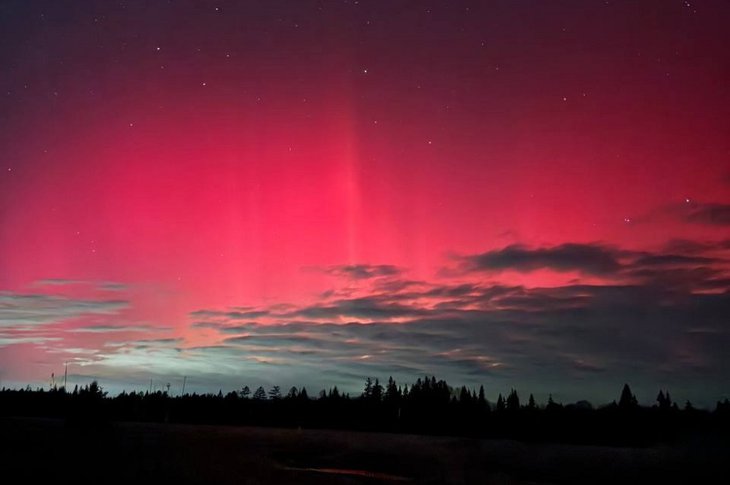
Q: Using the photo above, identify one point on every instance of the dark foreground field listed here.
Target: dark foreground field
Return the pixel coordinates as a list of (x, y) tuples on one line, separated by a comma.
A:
[(50, 450)]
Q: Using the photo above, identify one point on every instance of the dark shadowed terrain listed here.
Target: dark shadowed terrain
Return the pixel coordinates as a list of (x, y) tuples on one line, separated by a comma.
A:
[(52, 450)]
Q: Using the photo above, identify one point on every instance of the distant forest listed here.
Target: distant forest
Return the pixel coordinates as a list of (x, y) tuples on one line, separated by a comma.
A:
[(428, 406)]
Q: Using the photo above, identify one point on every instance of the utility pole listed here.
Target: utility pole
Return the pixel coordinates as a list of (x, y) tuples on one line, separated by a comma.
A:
[(185, 378), (65, 375)]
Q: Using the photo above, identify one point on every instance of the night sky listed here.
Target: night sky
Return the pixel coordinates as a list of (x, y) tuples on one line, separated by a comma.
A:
[(508, 193)]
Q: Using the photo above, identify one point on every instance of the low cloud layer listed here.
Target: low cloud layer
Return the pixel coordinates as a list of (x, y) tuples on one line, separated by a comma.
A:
[(28, 318), (592, 259), (363, 271), (39, 309), (656, 318)]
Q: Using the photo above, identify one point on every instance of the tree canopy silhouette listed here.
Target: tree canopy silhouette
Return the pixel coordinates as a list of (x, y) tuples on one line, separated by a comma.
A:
[(427, 406)]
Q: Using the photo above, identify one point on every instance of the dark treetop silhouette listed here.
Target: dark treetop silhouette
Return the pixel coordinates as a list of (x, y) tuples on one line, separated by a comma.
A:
[(428, 406)]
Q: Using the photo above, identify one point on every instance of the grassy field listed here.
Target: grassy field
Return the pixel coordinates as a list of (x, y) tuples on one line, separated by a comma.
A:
[(52, 451)]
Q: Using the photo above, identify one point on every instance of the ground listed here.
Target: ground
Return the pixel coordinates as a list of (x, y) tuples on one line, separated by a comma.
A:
[(51, 450)]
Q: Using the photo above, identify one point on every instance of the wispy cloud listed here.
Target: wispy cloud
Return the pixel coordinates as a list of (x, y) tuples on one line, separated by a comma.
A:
[(714, 214), (589, 258), (100, 285), (363, 271), (39, 309), (658, 316), (117, 328), (652, 317)]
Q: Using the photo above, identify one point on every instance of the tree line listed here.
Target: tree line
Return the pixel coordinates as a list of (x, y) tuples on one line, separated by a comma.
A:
[(427, 406)]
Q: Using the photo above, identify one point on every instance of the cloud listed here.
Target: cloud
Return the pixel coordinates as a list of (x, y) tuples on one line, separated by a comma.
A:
[(690, 211), (369, 308), (654, 316), (38, 309), (686, 264), (230, 315), (573, 331), (709, 213), (100, 285), (587, 258), (686, 246), (10, 339), (112, 286), (156, 342), (117, 328), (363, 271), (28, 318), (653, 260), (59, 282)]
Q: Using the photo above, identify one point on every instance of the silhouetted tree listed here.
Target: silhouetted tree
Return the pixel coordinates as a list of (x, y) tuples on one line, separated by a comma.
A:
[(663, 400), (377, 393), (428, 406), (245, 392), (275, 393), (551, 404), (368, 391), (392, 393), (464, 397), (500, 403), (513, 401), (95, 390), (260, 394), (482, 400), (627, 400)]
